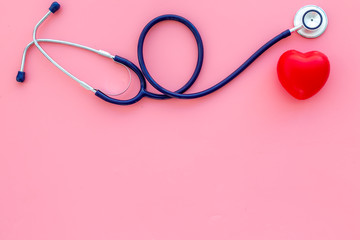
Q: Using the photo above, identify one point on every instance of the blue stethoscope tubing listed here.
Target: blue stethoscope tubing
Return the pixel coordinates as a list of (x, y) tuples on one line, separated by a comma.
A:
[(143, 73)]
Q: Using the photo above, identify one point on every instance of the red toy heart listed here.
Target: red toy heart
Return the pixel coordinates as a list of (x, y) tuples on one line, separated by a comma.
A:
[(303, 74)]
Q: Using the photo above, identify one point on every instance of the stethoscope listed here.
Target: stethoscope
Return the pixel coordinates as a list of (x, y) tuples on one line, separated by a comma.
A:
[(310, 22)]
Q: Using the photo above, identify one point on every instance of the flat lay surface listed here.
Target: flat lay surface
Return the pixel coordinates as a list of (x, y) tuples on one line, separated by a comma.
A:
[(246, 162)]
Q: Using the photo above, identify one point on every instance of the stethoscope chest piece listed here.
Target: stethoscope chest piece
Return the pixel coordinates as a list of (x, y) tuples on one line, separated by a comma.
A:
[(313, 19)]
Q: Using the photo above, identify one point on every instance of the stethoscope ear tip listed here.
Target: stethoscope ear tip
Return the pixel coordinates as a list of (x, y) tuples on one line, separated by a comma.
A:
[(20, 77), (54, 7)]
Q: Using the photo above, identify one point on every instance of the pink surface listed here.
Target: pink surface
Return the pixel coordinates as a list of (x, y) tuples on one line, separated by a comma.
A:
[(247, 162)]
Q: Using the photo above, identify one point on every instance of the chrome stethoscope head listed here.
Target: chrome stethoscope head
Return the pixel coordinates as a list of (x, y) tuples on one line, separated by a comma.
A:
[(310, 21)]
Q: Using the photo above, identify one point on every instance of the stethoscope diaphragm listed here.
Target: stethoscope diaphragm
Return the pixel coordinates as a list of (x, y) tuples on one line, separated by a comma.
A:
[(313, 19)]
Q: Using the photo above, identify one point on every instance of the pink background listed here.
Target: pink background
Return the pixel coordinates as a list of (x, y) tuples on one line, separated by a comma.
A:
[(247, 162)]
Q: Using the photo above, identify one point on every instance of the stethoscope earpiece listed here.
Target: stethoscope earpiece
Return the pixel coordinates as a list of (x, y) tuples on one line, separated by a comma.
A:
[(313, 21), (54, 7)]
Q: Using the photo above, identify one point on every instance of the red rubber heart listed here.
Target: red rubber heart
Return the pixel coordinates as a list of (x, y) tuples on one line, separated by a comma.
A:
[(303, 74)]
